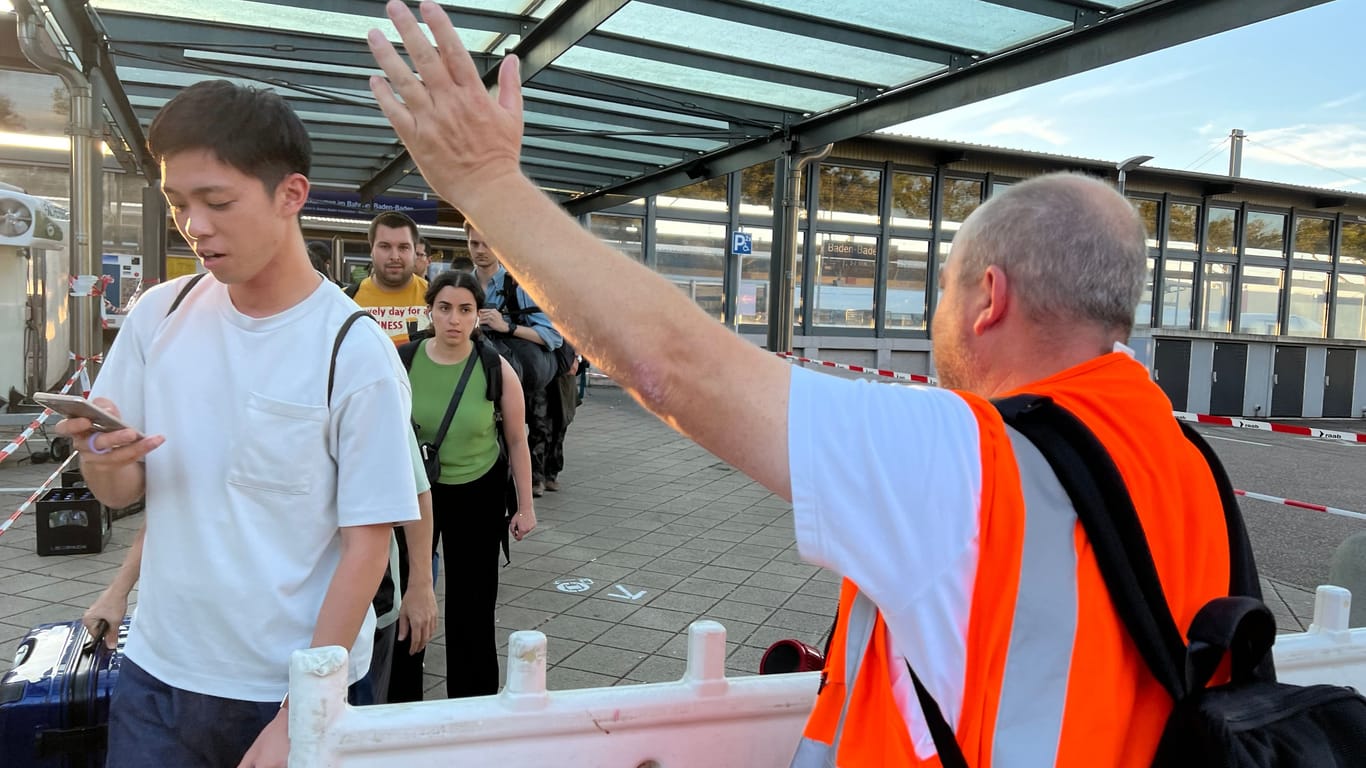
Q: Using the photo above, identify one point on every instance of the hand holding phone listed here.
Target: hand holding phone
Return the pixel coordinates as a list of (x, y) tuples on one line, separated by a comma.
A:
[(74, 407)]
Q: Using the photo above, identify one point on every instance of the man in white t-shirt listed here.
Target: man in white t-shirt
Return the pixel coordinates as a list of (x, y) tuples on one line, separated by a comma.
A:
[(274, 468)]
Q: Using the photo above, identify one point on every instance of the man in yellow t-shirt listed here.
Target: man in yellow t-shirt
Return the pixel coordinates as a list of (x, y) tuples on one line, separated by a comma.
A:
[(393, 294)]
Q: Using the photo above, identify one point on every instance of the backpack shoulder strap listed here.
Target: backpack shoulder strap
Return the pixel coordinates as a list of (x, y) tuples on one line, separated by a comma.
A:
[(512, 303), (1102, 503), (493, 374), (185, 291), (336, 347), (351, 290), (406, 352)]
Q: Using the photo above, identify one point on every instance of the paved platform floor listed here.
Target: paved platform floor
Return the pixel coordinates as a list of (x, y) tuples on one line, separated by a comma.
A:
[(649, 533)]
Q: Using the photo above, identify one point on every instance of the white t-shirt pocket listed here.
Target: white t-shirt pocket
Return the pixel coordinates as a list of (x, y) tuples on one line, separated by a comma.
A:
[(274, 445)]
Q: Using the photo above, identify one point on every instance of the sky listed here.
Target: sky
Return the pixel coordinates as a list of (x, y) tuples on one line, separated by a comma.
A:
[(1296, 84)]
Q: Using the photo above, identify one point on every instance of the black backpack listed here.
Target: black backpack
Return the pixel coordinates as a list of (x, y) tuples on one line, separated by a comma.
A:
[(566, 357), (1250, 722)]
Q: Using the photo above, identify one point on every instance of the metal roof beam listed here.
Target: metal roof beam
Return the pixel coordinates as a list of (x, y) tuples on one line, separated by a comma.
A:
[(819, 28), (74, 21), (464, 17), (605, 162), (752, 116), (730, 65), (564, 27), (1120, 37), (300, 78), (617, 116), (1075, 11), (586, 179), (660, 155)]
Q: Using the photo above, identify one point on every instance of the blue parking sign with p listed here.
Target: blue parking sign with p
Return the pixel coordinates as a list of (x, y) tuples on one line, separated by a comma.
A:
[(742, 244)]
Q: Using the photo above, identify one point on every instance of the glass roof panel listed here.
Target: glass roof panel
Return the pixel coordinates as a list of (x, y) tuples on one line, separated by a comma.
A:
[(648, 71), (283, 18), (970, 24), (783, 49), (570, 126)]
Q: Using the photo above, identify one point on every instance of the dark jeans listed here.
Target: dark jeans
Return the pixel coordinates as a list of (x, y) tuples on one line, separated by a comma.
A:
[(374, 687), (468, 523), (405, 676), (561, 404), (151, 723)]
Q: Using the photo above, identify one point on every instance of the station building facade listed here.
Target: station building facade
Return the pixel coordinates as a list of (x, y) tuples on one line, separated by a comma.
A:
[(1255, 303)]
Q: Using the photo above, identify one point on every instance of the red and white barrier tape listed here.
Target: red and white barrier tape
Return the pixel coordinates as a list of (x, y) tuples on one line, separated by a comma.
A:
[(1301, 504), (38, 422), (1266, 426), (917, 378), (41, 489), (1201, 418)]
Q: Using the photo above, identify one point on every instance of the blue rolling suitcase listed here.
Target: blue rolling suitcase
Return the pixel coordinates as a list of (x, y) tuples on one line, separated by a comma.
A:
[(54, 702)]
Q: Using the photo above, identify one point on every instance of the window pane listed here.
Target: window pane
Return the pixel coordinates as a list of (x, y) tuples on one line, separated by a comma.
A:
[(1183, 222), (692, 256), (1353, 243), (1219, 235), (945, 250), (1314, 239), (752, 304), (961, 197), (1350, 320), (756, 190), (1178, 290), (1308, 304), (907, 265), (1143, 315), (848, 195), (1265, 234), (845, 273), (911, 197), (1259, 300), (1147, 213), (1216, 295), (709, 195), (623, 233), (997, 187)]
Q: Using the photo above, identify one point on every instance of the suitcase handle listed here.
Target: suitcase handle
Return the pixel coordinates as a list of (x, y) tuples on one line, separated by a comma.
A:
[(91, 645)]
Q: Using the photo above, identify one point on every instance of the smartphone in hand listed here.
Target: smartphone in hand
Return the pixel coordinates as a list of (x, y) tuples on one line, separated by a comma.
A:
[(74, 407)]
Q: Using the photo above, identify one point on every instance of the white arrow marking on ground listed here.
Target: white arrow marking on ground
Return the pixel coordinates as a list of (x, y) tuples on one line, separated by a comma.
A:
[(626, 594)]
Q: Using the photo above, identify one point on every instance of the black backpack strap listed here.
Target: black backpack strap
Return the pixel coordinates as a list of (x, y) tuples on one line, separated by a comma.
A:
[(1242, 565), (351, 290), (336, 347), (493, 375), (185, 291), (406, 352), (455, 403), (945, 743), (1102, 503)]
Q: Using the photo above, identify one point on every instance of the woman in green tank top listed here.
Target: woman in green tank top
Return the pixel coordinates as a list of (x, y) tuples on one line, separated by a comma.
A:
[(469, 496)]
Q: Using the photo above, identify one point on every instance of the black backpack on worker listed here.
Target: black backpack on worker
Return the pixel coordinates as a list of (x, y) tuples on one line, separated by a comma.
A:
[(566, 357), (1250, 722)]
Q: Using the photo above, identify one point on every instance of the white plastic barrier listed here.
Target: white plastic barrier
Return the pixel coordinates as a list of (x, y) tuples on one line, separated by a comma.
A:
[(705, 719), (1329, 652)]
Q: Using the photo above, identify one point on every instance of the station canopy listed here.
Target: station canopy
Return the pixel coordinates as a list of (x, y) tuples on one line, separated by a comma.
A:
[(624, 98)]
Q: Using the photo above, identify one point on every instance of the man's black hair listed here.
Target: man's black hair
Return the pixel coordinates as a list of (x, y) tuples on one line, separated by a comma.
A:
[(250, 129)]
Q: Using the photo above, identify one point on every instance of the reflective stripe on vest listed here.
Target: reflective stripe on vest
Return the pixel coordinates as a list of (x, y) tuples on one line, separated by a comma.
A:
[(1034, 683)]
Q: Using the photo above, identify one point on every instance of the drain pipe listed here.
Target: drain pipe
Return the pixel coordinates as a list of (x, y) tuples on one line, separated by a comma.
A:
[(86, 334), (786, 186)]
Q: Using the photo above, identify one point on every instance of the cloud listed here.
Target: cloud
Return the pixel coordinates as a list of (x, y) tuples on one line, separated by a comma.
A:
[(1123, 87), (1027, 125), (1341, 146), (1342, 102)]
